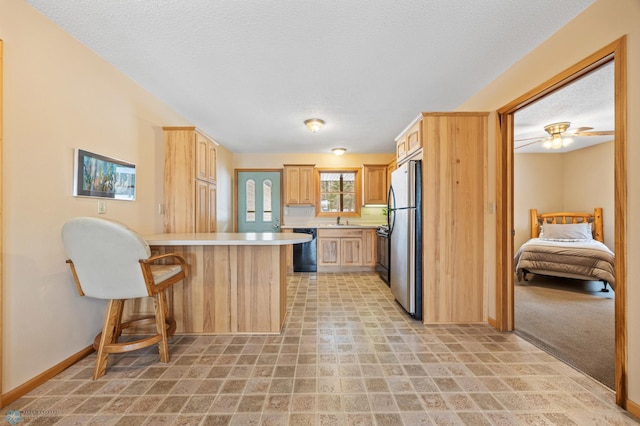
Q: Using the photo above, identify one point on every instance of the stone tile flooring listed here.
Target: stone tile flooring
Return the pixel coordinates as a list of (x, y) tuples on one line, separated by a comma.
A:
[(348, 355)]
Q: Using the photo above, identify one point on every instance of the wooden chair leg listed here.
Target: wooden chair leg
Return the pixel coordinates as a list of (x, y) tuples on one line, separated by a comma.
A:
[(109, 330), (161, 326)]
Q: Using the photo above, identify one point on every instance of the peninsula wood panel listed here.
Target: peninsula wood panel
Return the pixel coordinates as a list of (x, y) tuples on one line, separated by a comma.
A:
[(454, 200), (230, 289)]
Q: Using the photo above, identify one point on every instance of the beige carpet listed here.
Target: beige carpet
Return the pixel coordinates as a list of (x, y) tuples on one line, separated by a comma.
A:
[(570, 319)]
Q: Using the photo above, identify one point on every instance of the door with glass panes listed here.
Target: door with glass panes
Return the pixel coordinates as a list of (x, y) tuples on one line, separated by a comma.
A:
[(258, 201)]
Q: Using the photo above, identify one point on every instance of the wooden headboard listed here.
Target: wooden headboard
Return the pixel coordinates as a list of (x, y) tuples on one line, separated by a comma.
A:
[(568, 217)]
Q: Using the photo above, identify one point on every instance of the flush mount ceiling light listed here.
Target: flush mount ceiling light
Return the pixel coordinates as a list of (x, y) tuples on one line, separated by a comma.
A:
[(339, 151), (556, 130), (314, 124)]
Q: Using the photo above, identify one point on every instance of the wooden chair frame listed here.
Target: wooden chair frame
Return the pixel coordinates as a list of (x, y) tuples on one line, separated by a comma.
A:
[(106, 342)]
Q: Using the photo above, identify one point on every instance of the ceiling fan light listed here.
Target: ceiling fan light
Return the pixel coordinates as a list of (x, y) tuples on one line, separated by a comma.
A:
[(567, 141), (556, 142), (547, 144)]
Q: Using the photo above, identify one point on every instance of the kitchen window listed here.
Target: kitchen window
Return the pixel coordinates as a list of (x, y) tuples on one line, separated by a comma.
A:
[(338, 192)]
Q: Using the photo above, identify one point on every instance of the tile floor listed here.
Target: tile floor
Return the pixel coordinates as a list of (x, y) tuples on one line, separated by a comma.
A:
[(348, 356)]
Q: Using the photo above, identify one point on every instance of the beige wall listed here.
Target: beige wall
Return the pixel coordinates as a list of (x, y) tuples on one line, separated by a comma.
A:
[(265, 161), (602, 23), (224, 190), (588, 183), (58, 95), (537, 183)]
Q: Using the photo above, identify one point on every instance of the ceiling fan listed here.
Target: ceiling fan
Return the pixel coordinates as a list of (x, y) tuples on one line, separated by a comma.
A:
[(559, 135)]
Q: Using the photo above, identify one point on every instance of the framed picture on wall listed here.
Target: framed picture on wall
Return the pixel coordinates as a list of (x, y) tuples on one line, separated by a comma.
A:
[(96, 175)]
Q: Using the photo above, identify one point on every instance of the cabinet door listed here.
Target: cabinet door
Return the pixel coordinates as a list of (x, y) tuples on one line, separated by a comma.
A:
[(369, 251), (202, 206), (202, 152), (401, 148), (211, 162), (306, 185), (414, 137), (375, 184), (351, 251), (329, 251), (292, 185), (212, 205)]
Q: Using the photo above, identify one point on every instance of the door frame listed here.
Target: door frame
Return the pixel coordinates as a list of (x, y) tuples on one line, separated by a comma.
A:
[(235, 194), (504, 321)]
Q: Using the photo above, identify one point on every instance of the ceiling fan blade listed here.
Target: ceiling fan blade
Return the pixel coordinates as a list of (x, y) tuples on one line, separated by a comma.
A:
[(527, 144), (579, 129), (595, 133), (530, 139)]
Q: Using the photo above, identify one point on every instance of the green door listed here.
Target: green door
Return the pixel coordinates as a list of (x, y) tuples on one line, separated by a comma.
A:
[(258, 202)]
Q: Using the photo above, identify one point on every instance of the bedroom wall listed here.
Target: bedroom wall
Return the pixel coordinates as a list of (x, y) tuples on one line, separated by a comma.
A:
[(602, 23), (588, 183), (538, 182), (59, 95)]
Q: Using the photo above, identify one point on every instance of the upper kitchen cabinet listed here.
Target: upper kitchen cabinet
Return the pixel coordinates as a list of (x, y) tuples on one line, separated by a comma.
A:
[(375, 184), (205, 158), (189, 181), (299, 187), (409, 142)]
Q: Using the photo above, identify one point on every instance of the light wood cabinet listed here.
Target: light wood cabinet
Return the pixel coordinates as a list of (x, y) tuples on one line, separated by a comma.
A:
[(189, 181), (409, 143), (299, 184), (329, 251), (346, 249), (454, 185), (375, 184)]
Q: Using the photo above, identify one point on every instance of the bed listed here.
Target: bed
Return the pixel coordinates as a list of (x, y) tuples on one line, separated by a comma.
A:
[(568, 245)]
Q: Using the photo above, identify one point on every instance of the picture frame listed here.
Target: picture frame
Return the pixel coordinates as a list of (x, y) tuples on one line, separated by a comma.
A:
[(96, 175)]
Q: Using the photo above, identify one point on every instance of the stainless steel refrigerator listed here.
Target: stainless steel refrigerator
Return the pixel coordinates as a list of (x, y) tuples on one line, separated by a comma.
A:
[(405, 227)]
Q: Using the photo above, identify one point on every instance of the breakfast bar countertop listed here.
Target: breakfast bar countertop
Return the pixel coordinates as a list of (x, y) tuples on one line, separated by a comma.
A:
[(226, 239)]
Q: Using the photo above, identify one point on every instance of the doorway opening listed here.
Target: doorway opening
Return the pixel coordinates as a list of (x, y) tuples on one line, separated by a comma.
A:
[(616, 52)]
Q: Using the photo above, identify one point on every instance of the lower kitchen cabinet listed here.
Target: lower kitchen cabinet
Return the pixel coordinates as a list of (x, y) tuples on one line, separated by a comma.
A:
[(346, 250)]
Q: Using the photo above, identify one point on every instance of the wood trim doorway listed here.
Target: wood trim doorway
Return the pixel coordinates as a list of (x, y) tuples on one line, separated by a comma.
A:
[(616, 52)]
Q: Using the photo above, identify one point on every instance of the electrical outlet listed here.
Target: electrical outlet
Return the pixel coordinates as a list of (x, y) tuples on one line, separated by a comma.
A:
[(160, 208), (102, 207), (492, 207)]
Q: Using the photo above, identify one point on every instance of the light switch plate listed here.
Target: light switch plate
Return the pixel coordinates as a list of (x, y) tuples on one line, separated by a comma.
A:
[(102, 207)]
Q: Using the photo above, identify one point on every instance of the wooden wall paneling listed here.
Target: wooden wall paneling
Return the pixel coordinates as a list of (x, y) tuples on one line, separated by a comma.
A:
[(454, 151)]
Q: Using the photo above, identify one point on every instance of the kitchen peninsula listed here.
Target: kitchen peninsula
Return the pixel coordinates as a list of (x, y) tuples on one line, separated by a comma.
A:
[(236, 284)]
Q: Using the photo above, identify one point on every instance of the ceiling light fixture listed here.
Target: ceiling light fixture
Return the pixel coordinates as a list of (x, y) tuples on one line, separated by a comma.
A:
[(555, 130), (339, 151), (314, 124)]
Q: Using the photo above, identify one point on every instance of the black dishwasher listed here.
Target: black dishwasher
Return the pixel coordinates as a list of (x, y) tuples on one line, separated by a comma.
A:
[(305, 254)]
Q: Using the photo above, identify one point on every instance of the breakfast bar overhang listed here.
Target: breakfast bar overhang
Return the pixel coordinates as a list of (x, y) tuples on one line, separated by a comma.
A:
[(237, 281)]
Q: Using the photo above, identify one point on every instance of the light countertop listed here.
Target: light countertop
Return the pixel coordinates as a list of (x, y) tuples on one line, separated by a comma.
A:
[(226, 239), (333, 226)]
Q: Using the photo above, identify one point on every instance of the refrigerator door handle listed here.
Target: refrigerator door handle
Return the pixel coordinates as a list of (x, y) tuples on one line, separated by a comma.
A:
[(391, 210)]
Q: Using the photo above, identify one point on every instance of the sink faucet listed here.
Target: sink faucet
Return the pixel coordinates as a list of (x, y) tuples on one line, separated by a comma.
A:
[(338, 221)]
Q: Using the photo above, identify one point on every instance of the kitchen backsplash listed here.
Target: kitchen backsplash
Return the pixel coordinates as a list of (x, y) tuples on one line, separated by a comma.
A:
[(304, 215)]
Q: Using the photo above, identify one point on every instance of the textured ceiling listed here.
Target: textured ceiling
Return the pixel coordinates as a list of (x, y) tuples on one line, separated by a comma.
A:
[(248, 73), (587, 102)]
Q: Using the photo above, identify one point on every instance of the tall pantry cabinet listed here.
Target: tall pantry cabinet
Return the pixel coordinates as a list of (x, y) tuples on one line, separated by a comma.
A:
[(454, 181), (189, 181)]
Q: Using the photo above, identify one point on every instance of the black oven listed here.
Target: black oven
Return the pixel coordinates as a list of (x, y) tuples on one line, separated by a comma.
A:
[(383, 252)]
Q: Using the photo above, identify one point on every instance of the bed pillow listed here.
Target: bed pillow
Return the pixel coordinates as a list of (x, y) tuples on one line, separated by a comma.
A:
[(566, 232)]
